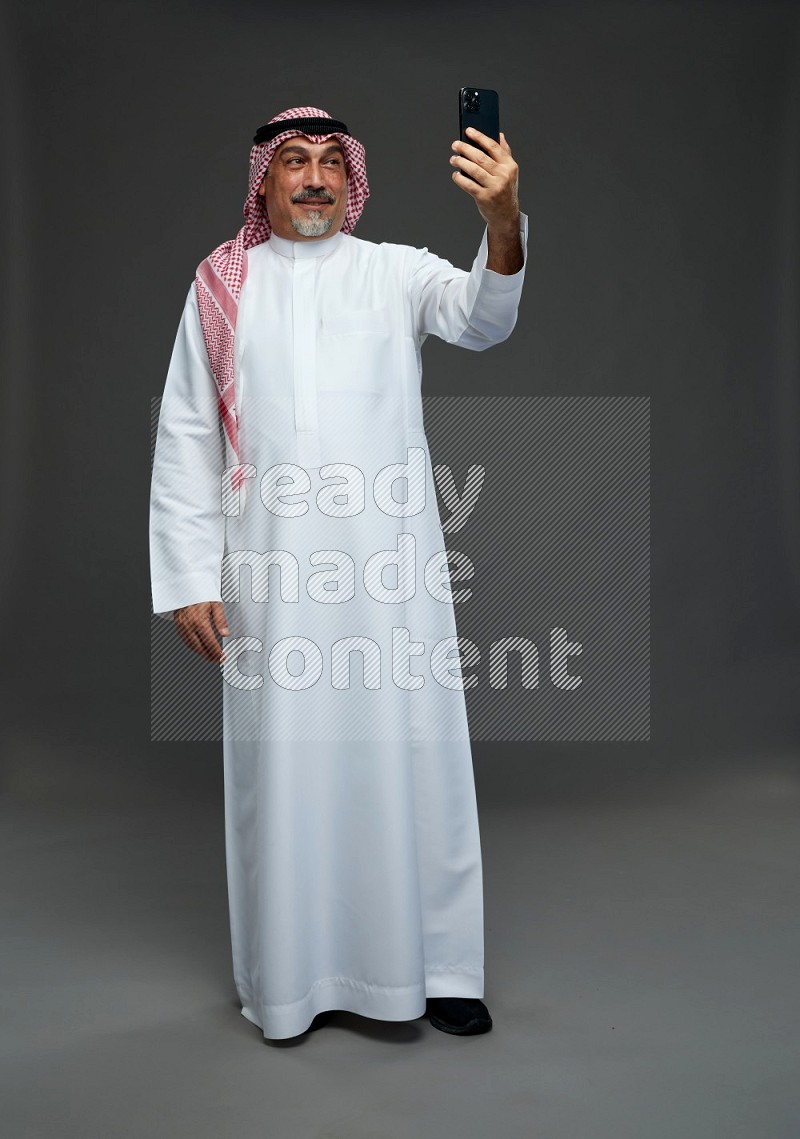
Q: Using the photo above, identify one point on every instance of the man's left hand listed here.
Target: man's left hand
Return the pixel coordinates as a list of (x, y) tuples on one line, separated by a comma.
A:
[(494, 178)]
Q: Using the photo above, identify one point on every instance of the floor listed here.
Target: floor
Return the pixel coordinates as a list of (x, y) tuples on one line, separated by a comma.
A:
[(642, 947)]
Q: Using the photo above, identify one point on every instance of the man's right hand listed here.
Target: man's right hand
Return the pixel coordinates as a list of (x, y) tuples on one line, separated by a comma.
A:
[(198, 626)]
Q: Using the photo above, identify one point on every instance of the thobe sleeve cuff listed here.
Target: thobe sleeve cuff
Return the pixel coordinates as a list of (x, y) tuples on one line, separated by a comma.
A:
[(474, 309), (503, 282), (171, 593), (493, 298)]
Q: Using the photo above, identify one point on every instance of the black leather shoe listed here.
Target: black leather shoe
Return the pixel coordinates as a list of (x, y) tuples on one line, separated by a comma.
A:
[(319, 1020), (461, 1016)]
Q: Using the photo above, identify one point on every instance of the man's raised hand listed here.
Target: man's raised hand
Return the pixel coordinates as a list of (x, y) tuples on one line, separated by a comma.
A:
[(493, 178), (199, 625)]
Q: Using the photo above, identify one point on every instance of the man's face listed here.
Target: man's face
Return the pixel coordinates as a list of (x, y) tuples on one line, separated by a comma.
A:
[(305, 189)]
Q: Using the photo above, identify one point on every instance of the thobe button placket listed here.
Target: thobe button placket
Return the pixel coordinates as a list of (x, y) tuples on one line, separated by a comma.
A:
[(304, 280), (306, 257)]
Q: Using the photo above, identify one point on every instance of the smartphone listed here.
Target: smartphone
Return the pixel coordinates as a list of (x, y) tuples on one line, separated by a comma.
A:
[(479, 108)]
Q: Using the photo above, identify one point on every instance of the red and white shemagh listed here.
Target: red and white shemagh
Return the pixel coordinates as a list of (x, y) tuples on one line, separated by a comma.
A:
[(220, 277)]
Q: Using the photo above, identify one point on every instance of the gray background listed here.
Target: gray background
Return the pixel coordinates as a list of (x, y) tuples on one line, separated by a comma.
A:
[(641, 932)]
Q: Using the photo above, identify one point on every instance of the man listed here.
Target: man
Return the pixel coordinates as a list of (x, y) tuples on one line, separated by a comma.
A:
[(352, 842)]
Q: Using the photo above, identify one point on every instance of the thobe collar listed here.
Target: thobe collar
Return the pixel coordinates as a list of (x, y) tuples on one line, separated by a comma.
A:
[(297, 249)]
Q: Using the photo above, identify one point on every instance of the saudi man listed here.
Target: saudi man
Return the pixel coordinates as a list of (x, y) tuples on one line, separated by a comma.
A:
[(295, 541)]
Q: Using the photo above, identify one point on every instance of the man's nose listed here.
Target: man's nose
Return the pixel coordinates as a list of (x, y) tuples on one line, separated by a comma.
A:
[(315, 177)]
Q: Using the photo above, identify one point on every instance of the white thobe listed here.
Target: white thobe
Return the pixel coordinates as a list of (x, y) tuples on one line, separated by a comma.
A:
[(352, 840)]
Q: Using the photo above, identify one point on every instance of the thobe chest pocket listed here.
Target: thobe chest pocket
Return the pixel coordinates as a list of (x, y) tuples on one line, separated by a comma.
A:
[(354, 350)]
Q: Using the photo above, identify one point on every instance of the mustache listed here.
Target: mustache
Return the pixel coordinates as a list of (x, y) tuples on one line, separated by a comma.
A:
[(314, 195)]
